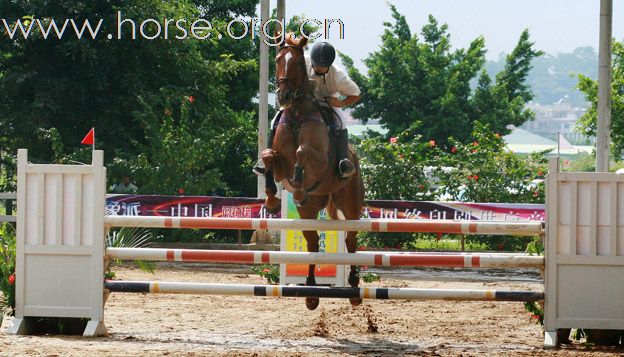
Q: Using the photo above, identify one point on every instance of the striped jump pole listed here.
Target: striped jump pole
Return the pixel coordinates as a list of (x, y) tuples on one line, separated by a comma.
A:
[(319, 291), (372, 225), (379, 259)]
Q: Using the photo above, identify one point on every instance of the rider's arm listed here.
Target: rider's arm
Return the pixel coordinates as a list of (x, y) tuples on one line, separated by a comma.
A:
[(349, 100), (347, 88)]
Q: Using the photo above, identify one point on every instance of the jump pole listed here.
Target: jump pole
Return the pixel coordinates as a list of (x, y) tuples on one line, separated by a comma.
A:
[(372, 225), (380, 259), (158, 287)]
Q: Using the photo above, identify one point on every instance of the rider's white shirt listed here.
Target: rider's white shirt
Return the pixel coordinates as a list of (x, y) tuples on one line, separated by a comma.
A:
[(335, 82)]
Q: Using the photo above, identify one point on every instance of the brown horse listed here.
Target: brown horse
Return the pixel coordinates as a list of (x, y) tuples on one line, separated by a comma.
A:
[(304, 160)]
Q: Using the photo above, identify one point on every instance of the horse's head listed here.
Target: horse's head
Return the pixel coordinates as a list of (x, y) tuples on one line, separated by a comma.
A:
[(292, 79)]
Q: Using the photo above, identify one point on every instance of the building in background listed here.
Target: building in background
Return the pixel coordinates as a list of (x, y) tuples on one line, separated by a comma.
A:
[(560, 117), (523, 142)]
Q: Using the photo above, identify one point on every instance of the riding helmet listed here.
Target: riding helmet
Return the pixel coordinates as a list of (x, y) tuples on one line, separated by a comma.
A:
[(322, 54)]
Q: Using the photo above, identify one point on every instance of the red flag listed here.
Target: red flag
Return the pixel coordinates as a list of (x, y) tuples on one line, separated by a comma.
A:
[(89, 139)]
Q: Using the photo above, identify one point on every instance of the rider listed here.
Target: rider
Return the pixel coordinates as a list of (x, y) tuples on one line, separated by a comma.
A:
[(328, 82)]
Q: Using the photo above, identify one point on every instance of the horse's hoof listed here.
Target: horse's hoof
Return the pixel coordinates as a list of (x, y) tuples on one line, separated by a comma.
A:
[(312, 303), (355, 301), (273, 206)]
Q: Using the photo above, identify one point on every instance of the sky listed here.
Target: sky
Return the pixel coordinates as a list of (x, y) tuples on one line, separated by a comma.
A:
[(555, 26)]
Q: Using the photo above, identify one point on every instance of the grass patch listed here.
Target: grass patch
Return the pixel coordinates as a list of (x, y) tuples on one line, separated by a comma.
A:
[(446, 245)]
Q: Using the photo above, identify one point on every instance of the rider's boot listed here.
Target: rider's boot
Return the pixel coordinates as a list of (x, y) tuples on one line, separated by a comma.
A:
[(346, 167), (259, 168)]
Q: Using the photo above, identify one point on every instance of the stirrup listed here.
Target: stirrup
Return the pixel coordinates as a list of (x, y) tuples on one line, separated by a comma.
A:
[(259, 168), (346, 167)]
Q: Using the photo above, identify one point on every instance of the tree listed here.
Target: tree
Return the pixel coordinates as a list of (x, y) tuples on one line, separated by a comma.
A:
[(423, 85), (589, 86), (175, 112), (408, 168), (510, 94)]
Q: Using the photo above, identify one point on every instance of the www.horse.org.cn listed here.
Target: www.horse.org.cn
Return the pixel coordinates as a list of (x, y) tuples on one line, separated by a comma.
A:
[(178, 29)]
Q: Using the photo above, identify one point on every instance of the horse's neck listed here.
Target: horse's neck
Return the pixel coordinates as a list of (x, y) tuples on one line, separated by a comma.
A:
[(307, 103)]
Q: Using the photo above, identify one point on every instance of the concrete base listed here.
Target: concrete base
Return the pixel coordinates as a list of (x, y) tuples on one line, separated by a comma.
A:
[(17, 327), (550, 339), (95, 328)]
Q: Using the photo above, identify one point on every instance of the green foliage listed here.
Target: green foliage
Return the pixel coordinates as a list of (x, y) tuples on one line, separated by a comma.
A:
[(421, 84), (370, 277), (535, 247), (583, 163), (270, 272), (486, 171), (504, 102), (536, 310), (447, 242), (9, 168), (384, 240), (483, 170), (365, 276), (132, 237), (7, 269), (175, 114), (589, 87), (129, 237), (396, 169)]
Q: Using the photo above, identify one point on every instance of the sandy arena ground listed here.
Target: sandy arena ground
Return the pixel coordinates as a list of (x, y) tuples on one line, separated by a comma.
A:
[(175, 325)]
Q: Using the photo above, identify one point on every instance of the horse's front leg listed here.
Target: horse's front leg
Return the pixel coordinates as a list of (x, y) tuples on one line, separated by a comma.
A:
[(354, 277), (272, 204)]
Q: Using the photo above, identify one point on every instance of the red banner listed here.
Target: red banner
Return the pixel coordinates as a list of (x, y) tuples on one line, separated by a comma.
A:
[(244, 207)]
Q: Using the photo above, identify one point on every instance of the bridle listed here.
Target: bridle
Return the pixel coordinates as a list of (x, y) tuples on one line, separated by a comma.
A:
[(297, 93)]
